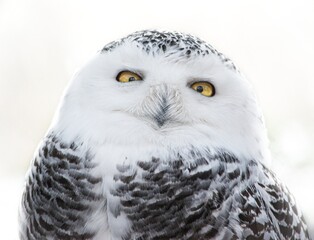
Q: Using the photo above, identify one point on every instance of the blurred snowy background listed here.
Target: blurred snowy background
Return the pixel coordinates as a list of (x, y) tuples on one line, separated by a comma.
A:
[(42, 43)]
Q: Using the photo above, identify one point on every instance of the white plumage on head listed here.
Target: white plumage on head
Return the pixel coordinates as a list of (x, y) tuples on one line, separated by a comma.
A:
[(107, 110)]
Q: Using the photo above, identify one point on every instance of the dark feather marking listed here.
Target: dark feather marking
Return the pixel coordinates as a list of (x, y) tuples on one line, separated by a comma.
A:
[(169, 43), (59, 193), (174, 200)]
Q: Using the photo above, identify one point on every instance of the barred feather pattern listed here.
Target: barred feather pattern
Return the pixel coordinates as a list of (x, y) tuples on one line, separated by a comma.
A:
[(60, 193), (215, 197)]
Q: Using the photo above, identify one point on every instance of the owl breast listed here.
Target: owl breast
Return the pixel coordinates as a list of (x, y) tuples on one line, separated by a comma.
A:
[(175, 200), (215, 196)]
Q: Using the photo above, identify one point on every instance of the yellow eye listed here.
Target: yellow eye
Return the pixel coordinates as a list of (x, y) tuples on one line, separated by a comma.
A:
[(127, 76), (204, 88)]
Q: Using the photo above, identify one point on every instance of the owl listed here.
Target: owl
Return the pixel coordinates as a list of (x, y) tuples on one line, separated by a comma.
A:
[(158, 136)]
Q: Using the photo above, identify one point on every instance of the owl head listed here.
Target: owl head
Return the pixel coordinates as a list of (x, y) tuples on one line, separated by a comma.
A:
[(163, 89)]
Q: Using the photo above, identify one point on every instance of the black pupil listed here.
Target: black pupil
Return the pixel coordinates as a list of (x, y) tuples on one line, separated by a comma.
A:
[(131, 79), (199, 89)]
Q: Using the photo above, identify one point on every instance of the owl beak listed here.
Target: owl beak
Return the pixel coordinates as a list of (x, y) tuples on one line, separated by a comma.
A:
[(163, 105), (161, 116)]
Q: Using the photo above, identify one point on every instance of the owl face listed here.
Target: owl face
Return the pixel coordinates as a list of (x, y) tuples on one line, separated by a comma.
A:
[(166, 89)]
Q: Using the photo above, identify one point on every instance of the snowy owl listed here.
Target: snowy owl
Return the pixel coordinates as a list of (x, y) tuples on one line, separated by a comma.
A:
[(158, 136)]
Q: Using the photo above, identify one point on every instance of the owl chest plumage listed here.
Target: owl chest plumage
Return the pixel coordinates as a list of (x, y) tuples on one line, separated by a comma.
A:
[(213, 197), (172, 200)]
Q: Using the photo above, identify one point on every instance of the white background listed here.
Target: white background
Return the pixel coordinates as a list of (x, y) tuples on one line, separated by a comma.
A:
[(42, 43)]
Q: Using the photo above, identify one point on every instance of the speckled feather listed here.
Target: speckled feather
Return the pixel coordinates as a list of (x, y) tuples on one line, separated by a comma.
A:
[(170, 43), (214, 198), (60, 193)]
